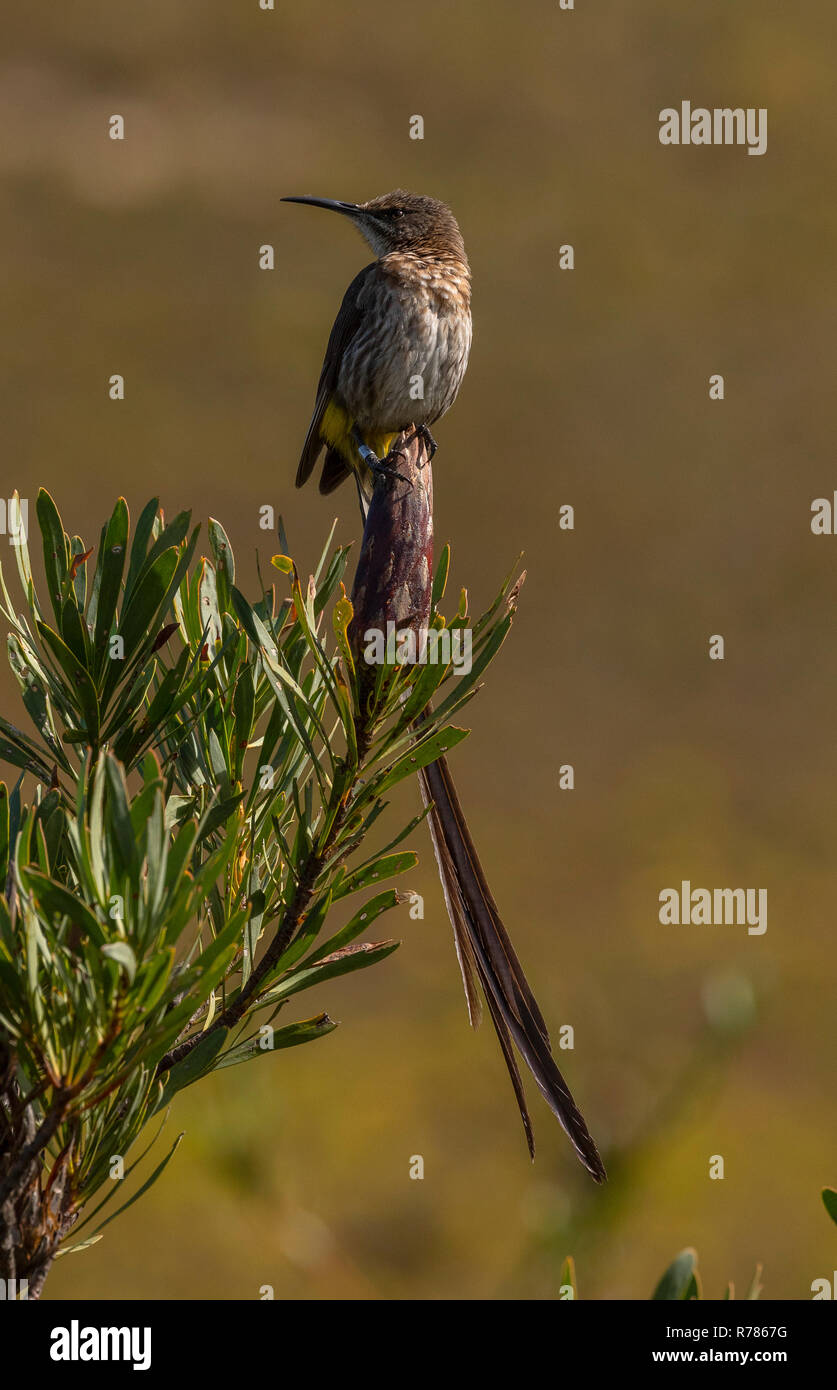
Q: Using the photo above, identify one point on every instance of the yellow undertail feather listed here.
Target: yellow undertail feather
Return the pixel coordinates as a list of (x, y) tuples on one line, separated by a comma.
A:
[(336, 432)]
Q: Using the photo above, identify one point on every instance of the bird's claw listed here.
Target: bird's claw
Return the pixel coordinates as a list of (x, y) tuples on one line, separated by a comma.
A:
[(385, 467), (381, 468), (423, 433)]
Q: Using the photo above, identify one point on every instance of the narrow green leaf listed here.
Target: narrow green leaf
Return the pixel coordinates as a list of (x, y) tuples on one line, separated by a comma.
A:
[(195, 1064), (121, 952), (79, 555), (18, 750), (137, 621), (462, 685), (291, 1036), (244, 711), (24, 564), (112, 560), (75, 633), (420, 755), (119, 812), (343, 962), (80, 1245), (209, 613), (361, 922), (149, 1182), (139, 545), (56, 901), (341, 618), (676, 1281), (170, 537), (440, 579), (219, 815), (370, 874), (79, 680), (33, 687), (568, 1279), (55, 550), (222, 553)]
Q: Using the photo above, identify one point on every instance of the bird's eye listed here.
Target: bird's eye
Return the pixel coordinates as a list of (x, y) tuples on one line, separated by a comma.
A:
[(396, 212)]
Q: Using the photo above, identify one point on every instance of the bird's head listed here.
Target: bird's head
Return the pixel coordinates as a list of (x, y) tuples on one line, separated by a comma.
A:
[(401, 221)]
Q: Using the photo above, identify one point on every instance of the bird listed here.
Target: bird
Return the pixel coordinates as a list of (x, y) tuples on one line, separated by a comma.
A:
[(399, 347), (395, 361)]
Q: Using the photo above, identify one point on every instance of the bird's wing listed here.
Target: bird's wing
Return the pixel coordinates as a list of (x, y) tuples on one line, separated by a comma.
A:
[(346, 325), (335, 469)]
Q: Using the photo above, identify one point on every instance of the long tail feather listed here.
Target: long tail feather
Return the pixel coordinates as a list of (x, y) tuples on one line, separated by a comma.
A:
[(486, 954)]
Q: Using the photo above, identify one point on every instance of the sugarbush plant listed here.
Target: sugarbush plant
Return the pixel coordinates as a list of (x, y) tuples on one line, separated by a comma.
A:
[(202, 775)]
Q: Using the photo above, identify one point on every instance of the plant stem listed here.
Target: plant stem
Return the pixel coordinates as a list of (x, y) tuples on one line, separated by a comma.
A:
[(292, 918)]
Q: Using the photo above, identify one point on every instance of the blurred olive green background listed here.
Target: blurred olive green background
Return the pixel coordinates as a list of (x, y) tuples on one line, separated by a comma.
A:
[(587, 387)]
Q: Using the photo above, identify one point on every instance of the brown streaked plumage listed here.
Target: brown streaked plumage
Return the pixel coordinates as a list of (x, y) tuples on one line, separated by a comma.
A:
[(399, 346)]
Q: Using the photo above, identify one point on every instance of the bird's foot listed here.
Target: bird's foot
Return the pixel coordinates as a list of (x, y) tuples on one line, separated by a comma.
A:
[(381, 468), (385, 467), (423, 433)]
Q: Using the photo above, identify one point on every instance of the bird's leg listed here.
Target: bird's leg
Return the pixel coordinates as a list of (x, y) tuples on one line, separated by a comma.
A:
[(423, 433), (381, 468)]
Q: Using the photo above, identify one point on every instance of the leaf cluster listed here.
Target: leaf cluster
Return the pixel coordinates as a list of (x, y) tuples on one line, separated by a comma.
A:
[(206, 772)]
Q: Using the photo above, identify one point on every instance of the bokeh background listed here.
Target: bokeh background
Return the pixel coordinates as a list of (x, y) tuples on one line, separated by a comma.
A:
[(587, 387)]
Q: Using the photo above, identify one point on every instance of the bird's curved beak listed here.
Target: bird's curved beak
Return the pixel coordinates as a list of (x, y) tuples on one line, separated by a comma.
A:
[(350, 209), (360, 217)]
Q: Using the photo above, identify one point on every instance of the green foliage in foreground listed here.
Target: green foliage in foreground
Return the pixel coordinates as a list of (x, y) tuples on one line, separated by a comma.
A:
[(681, 1282), (206, 771)]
